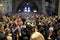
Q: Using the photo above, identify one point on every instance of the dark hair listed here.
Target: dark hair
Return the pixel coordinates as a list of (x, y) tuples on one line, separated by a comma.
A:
[(14, 24), (58, 20)]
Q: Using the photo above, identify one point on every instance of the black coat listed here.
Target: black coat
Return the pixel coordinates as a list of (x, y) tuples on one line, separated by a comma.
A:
[(2, 36), (53, 36), (25, 36), (58, 37)]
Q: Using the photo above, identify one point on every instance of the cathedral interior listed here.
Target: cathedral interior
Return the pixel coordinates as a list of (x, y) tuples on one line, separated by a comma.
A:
[(29, 19), (49, 7)]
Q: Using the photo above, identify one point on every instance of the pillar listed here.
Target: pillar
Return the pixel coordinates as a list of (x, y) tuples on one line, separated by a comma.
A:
[(43, 7), (59, 10), (1, 6), (7, 6)]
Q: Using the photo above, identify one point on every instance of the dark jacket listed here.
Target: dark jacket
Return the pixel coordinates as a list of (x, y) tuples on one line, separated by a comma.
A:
[(2, 36), (58, 37)]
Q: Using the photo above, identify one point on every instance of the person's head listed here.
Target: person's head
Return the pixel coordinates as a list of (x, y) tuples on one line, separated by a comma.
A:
[(37, 36), (58, 32), (33, 29), (7, 30), (33, 26), (14, 25), (1, 27)]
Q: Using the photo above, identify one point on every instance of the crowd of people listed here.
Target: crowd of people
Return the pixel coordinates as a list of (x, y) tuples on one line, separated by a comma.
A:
[(21, 27)]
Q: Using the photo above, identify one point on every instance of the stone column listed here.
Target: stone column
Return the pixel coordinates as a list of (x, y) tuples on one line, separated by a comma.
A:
[(13, 5), (43, 7), (50, 7), (1, 6), (7, 6), (59, 10), (38, 3)]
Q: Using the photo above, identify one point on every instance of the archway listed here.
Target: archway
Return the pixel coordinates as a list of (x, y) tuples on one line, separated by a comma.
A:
[(27, 6)]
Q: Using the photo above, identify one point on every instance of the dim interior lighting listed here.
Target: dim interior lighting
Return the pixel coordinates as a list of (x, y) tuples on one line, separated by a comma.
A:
[(27, 3), (35, 11)]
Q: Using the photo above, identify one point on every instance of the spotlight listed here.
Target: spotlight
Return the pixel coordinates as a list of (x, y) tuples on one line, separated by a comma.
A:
[(19, 10), (25, 11), (25, 7), (34, 10), (28, 10)]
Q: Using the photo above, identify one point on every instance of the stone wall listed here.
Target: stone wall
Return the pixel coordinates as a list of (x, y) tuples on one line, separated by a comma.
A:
[(7, 6), (59, 10)]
